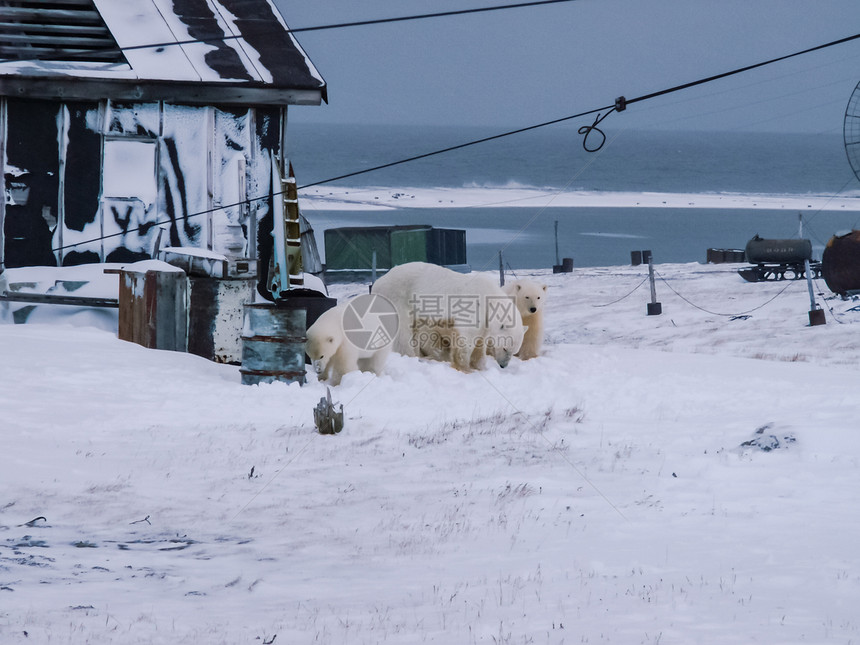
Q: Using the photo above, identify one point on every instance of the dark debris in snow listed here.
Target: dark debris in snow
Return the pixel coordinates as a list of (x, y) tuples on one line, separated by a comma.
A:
[(766, 441)]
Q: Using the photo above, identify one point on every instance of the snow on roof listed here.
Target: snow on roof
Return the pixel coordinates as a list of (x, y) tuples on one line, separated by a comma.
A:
[(237, 43)]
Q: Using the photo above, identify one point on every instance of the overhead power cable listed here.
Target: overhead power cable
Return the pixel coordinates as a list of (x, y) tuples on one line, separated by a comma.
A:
[(742, 69), (343, 25), (619, 106), (452, 148), (440, 14)]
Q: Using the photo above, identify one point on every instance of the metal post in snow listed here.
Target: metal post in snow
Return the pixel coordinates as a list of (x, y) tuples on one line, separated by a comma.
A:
[(557, 261), (654, 307), (816, 313), (501, 271)]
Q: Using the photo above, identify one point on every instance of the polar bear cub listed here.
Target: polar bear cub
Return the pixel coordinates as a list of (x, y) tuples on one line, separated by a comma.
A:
[(332, 354), (530, 297)]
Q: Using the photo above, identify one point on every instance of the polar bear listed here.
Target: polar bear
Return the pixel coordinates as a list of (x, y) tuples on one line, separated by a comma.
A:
[(333, 354), (530, 297), (450, 316)]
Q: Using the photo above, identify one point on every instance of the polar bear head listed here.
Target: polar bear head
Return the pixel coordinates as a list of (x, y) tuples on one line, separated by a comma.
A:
[(505, 338), (320, 350), (530, 296), (325, 337)]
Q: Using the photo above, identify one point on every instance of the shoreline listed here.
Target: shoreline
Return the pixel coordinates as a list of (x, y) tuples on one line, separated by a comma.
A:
[(377, 198)]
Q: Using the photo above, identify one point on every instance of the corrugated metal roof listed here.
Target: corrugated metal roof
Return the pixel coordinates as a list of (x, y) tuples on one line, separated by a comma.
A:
[(149, 49)]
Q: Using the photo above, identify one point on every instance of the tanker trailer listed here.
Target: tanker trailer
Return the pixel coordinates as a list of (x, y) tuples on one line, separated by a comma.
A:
[(778, 259)]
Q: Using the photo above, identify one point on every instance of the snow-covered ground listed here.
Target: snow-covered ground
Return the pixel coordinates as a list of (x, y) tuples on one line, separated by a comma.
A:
[(682, 478), (381, 198)]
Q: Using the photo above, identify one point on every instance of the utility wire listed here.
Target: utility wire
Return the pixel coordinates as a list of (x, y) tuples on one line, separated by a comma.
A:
[(440, 14), (360, 23), (457, 147), (554, 447), (620, 105), (625, 296), (716, 313), (740, 70)]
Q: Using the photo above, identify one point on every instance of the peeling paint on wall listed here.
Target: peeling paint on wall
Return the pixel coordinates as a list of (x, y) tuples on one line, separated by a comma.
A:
[(31, 192), (128, 169)]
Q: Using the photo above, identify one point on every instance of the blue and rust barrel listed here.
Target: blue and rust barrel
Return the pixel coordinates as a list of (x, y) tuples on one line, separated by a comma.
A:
[(273, 344)]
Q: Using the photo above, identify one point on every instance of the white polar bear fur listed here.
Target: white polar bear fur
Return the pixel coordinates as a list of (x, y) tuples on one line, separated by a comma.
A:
[(530, 297), (438, 335), (333, 355)]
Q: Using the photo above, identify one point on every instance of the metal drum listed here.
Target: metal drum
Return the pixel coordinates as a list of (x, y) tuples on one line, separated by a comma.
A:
[(314, 303), (216, 316), (840, 263), (273, 344)]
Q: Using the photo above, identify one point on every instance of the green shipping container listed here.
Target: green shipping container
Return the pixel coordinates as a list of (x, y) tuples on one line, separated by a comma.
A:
[(351, 248)]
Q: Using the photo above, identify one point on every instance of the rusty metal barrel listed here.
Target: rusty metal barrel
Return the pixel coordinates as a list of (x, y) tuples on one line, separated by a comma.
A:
[(840, 263), (273, 344)]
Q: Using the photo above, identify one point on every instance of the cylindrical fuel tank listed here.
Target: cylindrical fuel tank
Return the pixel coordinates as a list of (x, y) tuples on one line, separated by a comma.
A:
[(840, 263), (763, 251)]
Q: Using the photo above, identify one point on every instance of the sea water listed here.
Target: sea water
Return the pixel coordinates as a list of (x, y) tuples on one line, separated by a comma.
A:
[(553, 159)]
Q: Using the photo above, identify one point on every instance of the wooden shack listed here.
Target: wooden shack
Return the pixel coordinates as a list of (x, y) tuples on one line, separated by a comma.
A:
[(121, 119)]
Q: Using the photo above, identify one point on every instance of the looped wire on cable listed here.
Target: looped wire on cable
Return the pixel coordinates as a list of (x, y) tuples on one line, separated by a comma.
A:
[(620, 106), (588, 129)]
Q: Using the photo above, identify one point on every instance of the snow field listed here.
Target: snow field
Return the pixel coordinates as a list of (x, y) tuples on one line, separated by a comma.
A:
[(597, 494)]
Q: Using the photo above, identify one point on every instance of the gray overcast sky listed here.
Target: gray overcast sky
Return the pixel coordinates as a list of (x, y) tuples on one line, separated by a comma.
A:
[(518, 67)]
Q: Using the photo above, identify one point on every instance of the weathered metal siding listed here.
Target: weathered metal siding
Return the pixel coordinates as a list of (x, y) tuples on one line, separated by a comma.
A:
[(31, 181), (446, 246), (351, 248), (101, 177), (81, 185), (3, 197), (409, 245), (152, 310)]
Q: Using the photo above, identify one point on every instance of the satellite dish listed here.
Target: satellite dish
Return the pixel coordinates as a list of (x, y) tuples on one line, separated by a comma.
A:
[(851, 130)]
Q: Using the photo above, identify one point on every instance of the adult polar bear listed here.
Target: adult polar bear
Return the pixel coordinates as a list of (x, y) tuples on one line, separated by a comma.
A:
[(450, 316)]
